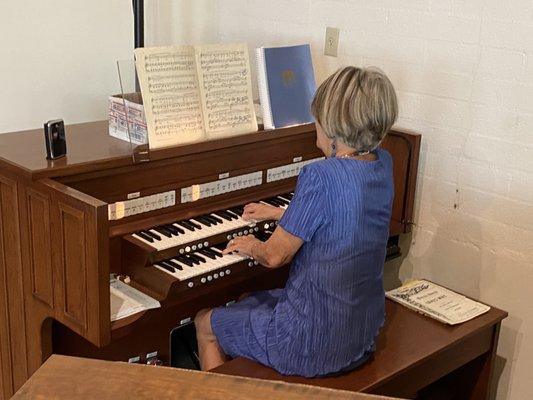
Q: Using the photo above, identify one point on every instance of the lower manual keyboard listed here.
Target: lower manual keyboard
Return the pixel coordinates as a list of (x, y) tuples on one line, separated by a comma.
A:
[(180, 273), (201, 262)]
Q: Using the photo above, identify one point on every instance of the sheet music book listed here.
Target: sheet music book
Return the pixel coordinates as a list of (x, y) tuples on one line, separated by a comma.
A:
[(126, 300), (195, 93), (286, 83), (437, 302)]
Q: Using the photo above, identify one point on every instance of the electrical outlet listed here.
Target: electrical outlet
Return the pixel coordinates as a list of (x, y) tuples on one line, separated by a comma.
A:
[(331, 44)]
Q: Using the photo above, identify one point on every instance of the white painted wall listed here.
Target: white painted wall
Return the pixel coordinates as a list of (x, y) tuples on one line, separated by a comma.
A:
[(464, 74), (180, 22), (57, 57)]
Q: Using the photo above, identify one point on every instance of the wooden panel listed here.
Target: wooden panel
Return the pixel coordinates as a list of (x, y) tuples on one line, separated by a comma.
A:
[(5, 338), (74, 266), (3, 392), (23, 151), (80, 254), (404, 149), (67, 378), (38, 209), (196, 168), (12, 312), (417, 376)]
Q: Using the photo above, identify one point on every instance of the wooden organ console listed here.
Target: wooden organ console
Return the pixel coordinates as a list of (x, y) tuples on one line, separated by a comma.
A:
[(66, 225)]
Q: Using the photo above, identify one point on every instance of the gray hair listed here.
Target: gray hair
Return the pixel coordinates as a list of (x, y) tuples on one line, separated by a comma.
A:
[(356, 105)]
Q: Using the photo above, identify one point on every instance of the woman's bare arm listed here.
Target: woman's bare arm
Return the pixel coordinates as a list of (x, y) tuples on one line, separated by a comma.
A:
[(277, 251)]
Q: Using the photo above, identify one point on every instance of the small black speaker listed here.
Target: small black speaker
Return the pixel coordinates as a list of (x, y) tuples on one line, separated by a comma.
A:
[(54, 137)]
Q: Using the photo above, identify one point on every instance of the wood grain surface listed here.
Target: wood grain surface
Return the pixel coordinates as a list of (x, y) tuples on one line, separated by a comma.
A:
[(69, 378)]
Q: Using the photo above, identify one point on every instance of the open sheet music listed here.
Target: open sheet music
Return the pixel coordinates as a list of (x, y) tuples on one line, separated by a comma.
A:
[(195, 93), (437, 302)]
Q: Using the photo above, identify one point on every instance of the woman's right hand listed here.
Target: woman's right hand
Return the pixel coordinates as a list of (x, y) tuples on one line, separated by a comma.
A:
[(261, 212)]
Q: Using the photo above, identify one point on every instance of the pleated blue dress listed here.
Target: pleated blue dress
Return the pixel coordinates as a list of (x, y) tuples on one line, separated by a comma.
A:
[(328, 315)]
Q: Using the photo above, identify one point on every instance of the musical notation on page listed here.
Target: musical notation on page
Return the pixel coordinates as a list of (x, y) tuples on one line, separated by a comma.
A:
[(171, 98), (226, 89), (194, 93)]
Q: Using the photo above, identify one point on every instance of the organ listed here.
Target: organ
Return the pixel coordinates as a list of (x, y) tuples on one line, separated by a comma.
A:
[(66, 225)]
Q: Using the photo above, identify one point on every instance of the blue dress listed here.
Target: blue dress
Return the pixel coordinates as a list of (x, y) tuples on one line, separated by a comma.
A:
[(328, 315)]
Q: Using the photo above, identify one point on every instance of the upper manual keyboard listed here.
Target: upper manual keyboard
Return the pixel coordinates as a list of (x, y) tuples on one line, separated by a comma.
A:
[(197, 232)]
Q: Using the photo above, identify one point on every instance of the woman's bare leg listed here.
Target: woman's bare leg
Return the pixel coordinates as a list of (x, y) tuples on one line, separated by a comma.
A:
[(211, 355)]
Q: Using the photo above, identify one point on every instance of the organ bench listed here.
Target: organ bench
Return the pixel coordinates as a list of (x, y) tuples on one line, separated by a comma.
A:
[(67, 224), (416, 357)]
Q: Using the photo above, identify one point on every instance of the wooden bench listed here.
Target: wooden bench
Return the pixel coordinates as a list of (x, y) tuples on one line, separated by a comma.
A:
[(66, 378), (415, 357)]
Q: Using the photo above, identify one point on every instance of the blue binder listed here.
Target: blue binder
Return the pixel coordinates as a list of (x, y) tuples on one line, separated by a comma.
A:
[(286, 82)]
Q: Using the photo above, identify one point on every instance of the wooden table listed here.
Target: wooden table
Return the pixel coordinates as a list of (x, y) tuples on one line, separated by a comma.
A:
[(69, 378), (415, 356)]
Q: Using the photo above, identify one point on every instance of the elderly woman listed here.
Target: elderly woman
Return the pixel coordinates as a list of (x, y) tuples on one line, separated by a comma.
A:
[(334, 232)]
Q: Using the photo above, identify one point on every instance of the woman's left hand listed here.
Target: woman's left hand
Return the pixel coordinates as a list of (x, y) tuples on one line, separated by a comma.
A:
[(242, 245)]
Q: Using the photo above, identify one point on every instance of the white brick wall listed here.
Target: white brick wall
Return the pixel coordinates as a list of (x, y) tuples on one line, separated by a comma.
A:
[(463, 70)]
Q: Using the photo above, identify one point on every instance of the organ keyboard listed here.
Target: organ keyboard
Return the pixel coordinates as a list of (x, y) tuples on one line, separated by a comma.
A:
[(162, 223), (198, 231)]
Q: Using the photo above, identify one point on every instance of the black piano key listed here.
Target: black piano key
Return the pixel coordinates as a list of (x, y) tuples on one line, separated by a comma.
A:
[(237, 211), (184, 260), (169, 268), (285, 202), (172, 230), (233, 214), (277, 201), (192, 259), (152, 234), (207, 254), (218, 248), (202, 221), (179, 230), (194, 224), (174, 264), (224, 215), (187, 226), (209, 220), (213, 253), (198, 257), (215, 218), (163, 231), (168, 264), (145, 236)]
